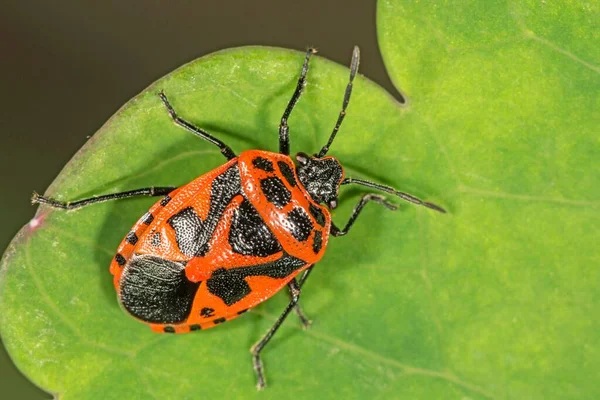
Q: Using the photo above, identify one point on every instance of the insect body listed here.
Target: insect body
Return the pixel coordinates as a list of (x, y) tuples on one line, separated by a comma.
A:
[(220, 244), (230, 239)]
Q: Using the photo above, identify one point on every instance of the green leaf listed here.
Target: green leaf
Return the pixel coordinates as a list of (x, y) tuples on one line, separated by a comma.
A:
[(60, 319), (495, 300), (507, 95)]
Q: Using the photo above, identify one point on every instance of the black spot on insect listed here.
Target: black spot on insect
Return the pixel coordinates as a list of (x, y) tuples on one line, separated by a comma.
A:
[(242, 311), (317, 214), (131, 238), (317, 242), (188, 230), (299, 224), (157, 290), (155, 239), (219, 321), (165, 200), (275, 191), (120, 259), (195, 327), (231, 286), (147, 218), (263, 163), (207, 312), (249, 235), (287, 172), (192, 234), (169, 329)]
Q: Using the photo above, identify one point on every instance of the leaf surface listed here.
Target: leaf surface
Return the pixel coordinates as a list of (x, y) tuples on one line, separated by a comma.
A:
[(507, 94), (494, 300), (61, 321)]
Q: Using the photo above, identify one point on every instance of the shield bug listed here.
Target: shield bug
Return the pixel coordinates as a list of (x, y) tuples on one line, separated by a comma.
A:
[(218, 246)]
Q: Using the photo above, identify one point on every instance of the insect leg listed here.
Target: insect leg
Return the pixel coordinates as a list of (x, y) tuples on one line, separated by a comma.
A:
[(305, 275), (71, 205), (284, 136), (258, 347), (297, 308), (225, 150), (335, 231)]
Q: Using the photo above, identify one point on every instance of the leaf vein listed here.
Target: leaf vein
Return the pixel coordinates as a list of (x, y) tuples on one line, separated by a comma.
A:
[(405, 368), (57, 311), (528, 33), (526, 197)]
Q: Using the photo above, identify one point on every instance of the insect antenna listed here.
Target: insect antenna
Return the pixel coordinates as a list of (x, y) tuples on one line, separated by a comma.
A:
[(353, 71), (391, 190)]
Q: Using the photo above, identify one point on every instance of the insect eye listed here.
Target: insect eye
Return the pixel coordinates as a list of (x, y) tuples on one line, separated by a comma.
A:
[(302, 158)]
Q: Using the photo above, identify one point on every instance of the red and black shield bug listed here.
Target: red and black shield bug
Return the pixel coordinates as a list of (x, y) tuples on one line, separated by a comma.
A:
[(212, 249)]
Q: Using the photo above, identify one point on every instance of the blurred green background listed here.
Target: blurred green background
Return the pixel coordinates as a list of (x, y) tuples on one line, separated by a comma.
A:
[(67, 66)]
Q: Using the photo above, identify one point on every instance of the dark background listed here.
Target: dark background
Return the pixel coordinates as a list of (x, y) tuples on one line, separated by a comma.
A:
[(67, 66)]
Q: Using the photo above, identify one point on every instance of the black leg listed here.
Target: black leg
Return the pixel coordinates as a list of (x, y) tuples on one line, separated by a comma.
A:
[(353, 71), (335, 231), (305, 275), (284, 136), (306, 322), (258, 347), (225, 150), (71, 205)]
